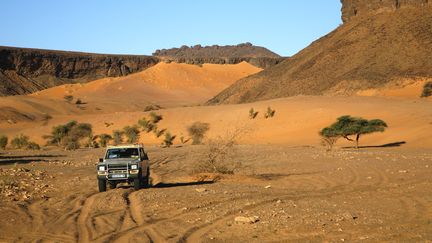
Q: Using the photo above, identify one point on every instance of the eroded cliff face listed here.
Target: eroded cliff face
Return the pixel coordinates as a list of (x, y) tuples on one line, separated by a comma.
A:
[(352, 8), (25, 71)]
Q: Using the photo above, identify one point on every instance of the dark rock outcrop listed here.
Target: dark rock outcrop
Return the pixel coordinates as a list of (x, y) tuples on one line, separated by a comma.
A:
[(352, 8), (24, 71), (255, 55)]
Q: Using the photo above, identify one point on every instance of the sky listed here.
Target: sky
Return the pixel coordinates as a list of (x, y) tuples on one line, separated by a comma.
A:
[(142, 26)]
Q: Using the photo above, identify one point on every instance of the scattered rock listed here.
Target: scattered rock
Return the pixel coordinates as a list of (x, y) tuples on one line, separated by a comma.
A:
[(403, 171), (247, 220), (267, 187), (201, 190)]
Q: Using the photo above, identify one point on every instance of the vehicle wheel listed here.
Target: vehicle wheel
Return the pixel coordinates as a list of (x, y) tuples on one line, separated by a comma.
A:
[(112, 184), (146, 180), (137, 182), (102, 185)]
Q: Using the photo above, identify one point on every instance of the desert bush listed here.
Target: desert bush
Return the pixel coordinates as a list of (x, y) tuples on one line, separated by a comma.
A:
[(158, 133), (3, 142), (347, 126), (329, 138), (155, 118), (104, 139), (219, 156), (33, 146), (147, 125), (132, 133), (79, 102), (152, 108), (197, 132), (169, 140), (70, 135), (252, 113), (427, 90), (68, 98), (20, 142), (269, 113), (117, 137)]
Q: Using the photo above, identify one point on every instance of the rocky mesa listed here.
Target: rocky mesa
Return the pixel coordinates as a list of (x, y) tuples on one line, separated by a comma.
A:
[(24, 71)]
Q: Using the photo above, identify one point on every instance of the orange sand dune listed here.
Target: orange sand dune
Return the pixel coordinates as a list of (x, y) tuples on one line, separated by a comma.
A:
[(164, 84), (297, 120)]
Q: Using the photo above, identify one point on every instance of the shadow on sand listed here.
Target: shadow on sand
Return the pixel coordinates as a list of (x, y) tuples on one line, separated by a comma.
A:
[(388, 145), (24, 159), (179, 184)]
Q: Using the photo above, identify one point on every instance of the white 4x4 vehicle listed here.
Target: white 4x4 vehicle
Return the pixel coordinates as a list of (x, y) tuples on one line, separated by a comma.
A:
[(124, 163)]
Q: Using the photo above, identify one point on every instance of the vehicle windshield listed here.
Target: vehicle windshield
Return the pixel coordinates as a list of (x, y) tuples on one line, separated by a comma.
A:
[(122, 153)]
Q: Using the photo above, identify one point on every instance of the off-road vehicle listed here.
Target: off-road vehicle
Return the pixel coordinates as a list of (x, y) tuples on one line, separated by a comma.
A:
[(124, 163)]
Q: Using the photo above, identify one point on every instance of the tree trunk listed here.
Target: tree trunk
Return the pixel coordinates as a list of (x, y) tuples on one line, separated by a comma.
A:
[(357, 141)]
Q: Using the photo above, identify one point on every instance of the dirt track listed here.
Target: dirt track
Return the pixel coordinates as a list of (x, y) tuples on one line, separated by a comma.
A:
[(298, 193)]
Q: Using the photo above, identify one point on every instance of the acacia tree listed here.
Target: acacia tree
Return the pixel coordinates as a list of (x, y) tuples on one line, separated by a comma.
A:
[(348, 126)]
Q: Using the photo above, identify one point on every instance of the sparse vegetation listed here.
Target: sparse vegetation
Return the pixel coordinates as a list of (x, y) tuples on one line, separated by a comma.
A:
[(329, 138), (79, 102), (23, 142), (68, 98), (152, 108), (70, 135), (252, 113), (427, 90), (347, 126), (169, 140), (132, 133), (104, 139), (197, 132), (220, 153), (269, 113), (158, 133), (117, 137), (3, 142), (155, 118), (147, 125)]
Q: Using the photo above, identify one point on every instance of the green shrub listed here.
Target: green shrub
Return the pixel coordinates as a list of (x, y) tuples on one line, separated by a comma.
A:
[(427, 90), (104, 139), (3, 142), (20, 142), (70, 135), (155, 118), (197, 132), (146, 125), (33, 146), (132, 133), (252, 113), (169, 140), (118, 137), (269, 113)]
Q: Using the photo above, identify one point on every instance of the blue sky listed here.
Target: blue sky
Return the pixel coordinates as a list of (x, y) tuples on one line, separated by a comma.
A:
[(142, 26)]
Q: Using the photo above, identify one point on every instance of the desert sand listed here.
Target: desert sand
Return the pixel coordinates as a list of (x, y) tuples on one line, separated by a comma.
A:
[(291, 188)]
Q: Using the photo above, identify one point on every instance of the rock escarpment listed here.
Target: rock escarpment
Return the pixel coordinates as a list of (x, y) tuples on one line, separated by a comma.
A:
[(25, 70), (231, 54), (353, 8)]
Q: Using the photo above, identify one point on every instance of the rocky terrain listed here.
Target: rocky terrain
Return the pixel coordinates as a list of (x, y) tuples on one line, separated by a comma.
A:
[(24, 71), (374, 49), (255, 55), (281, 193)]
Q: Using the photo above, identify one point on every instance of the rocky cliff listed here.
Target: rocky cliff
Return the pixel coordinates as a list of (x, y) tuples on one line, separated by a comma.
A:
[(352, 8), (380, 42), (25, 71), (230, 54)]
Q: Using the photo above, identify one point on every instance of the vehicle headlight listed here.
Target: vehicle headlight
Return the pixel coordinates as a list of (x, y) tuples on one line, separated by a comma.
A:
[(101, 168), (134, 167)]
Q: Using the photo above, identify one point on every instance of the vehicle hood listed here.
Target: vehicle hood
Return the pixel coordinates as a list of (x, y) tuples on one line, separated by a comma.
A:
[(120, 161)]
